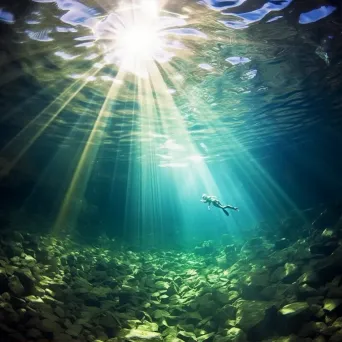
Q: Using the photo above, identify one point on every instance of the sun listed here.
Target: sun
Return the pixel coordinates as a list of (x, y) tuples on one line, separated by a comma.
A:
[(132, 37), (139, 42)]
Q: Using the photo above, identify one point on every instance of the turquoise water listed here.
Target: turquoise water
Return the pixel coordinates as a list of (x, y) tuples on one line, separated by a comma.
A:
[(117, 117)]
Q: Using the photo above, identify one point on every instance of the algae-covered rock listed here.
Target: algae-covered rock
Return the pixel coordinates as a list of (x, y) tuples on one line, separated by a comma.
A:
[(161, 285), (170, 332), (334, 292), (233, 296), (205, 337), (236, 335), (5, 296), (3, 280), (221, 297), (17, 336), (328, 233), (338, 323), (311, 329), (49, 326), (94, 294), (281, 244), (187, 336), (16, 286), (206, 305), (327, 268), (149, 326), (172, 339), (140, 335), (293, 316), (62, 337), (309, 277), (326, 248), (192, 317), (331, 304), (294, 309), (157, 314), (260, 278), (337, 337), (33, 333), (255, 318), (228, 312), (305, 291), (26, 278), (290, 338), (74, 330), (251, 313), (60, 312), (319, 338), (220, 338), (287, 273), (101, 292), (108, 321)]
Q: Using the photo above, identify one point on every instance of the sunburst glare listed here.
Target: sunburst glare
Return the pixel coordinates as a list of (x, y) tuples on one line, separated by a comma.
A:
[(133, 36)]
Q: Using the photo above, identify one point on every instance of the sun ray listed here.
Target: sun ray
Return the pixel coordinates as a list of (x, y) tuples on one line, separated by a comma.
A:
[(18, 146), (145, 176), (67, 213), (18, 57), (61, 163), (246, 162), (41, 92)]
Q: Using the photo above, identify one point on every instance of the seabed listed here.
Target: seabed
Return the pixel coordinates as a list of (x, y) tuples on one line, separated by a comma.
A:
[(58, 289)]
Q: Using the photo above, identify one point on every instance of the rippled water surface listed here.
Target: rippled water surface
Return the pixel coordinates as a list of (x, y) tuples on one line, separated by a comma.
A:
[(212, 79)]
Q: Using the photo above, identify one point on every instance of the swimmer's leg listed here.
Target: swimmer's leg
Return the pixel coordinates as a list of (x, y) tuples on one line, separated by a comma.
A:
[(226, 212)]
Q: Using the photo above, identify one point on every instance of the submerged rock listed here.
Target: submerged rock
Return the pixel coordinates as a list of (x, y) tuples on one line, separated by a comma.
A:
[(312, 329), (3, 280), (92, 294), (34, 333), (337, 337), (74, 330), (255, 318), (140, 335), (236, 335), (324, 248), (293, 316), (287, 273), (26, 278), (305, 291), (16, 286), (50, 326), (329, 267), (281, 244), (331, 304)]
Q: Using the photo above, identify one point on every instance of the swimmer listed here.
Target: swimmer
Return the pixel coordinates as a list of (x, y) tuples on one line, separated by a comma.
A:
[(213, 200)]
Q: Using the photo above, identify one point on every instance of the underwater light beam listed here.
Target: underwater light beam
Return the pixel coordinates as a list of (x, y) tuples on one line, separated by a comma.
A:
[(84, 167), (41, 92), (27, 137), (249, 163), (143, 178), (167, 100)]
